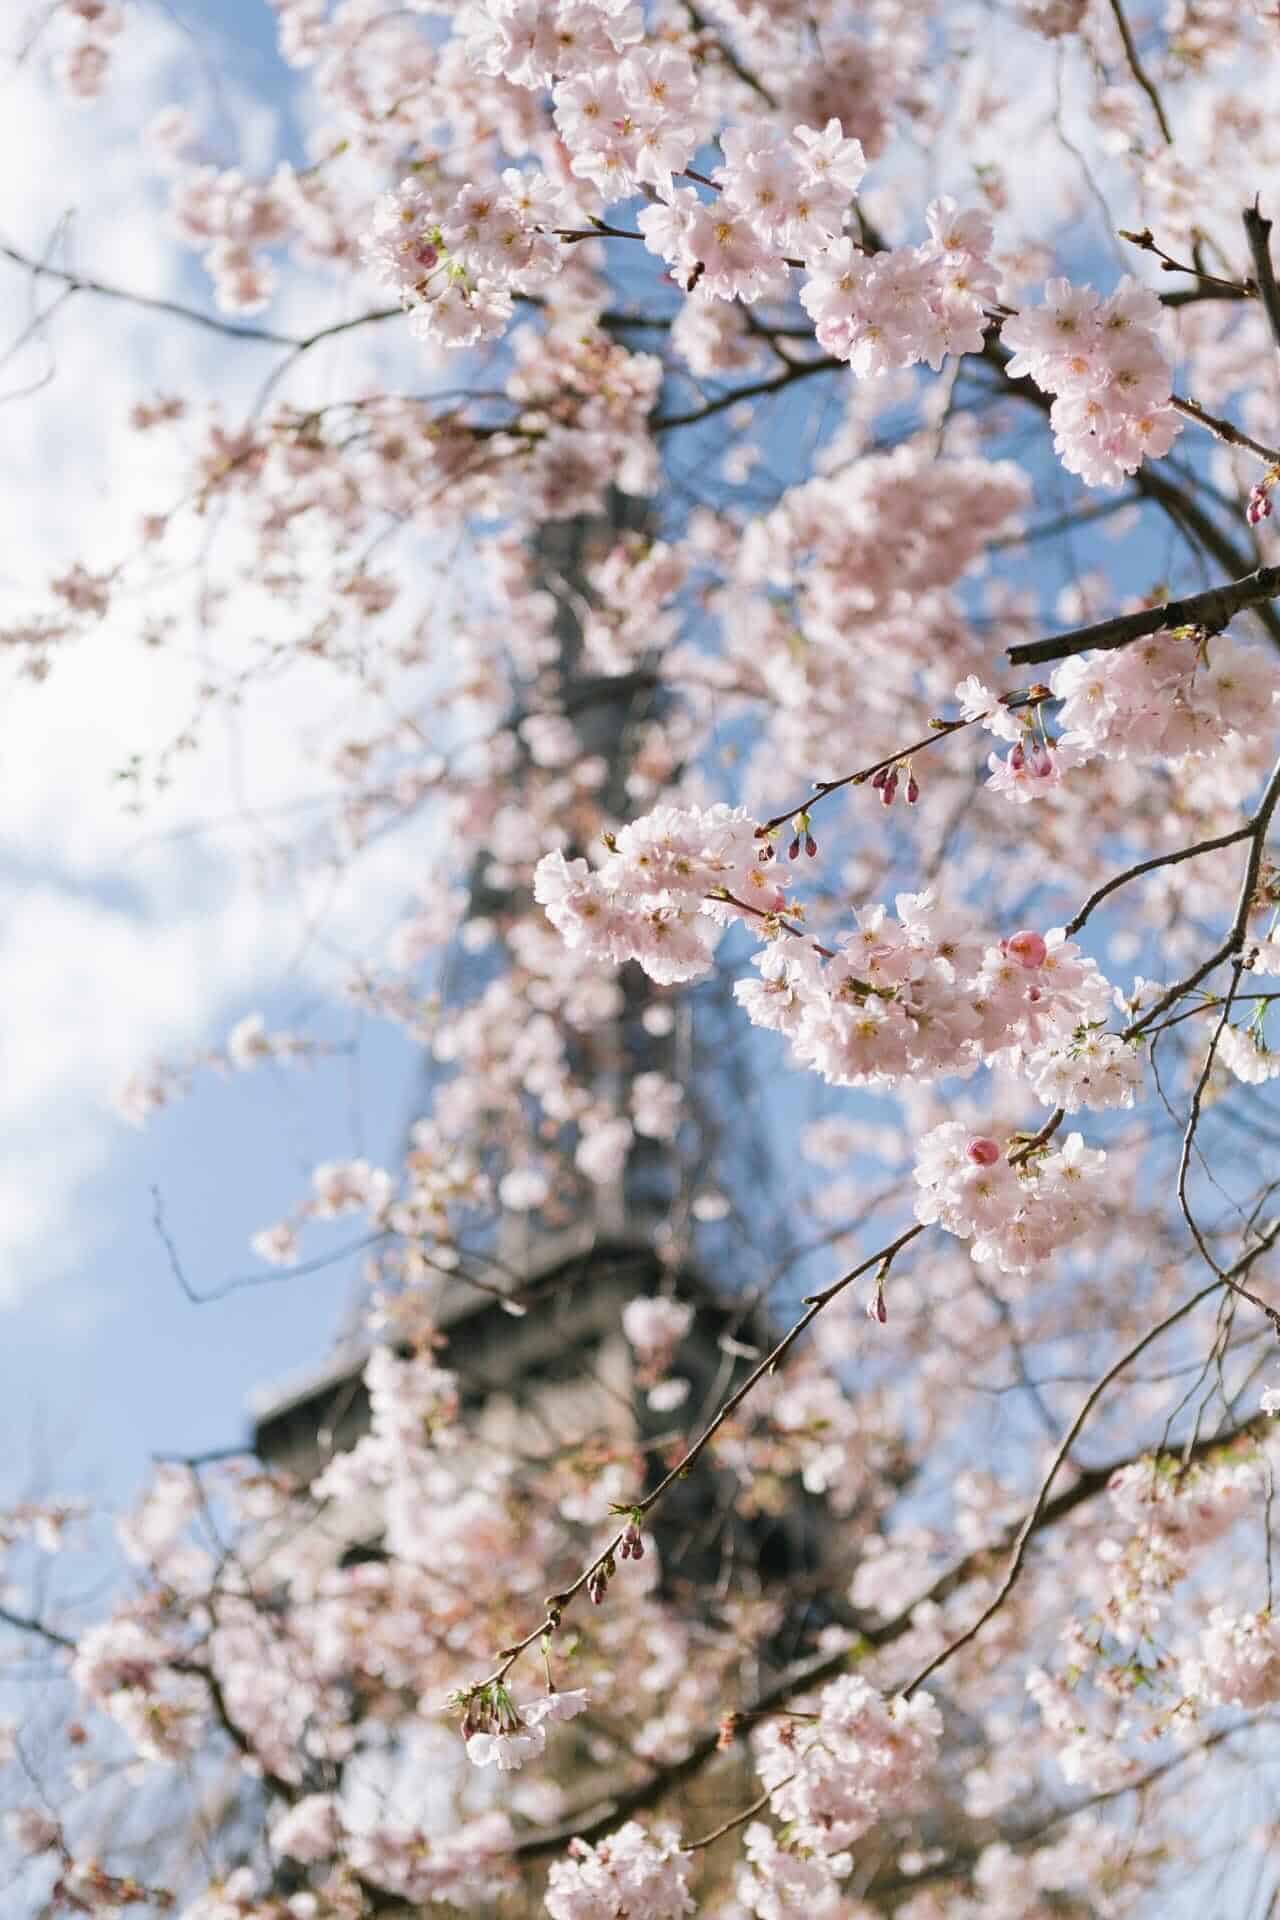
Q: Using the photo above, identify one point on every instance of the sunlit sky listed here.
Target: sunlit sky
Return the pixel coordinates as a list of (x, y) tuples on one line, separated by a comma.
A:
[(123, 937)]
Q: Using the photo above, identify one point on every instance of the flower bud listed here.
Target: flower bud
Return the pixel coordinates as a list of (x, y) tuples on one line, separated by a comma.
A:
[(983, 1151), (1027, 948), (889, 788), (913, 789)]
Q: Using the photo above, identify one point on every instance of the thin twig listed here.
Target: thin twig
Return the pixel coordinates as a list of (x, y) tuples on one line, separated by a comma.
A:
[(1139, 72), (611, 1810), (738, 1820), (1099, 894), (1235, 940), (814, 1304), (153, 303), (796, 370), (1032, 1521), (1223, 430)]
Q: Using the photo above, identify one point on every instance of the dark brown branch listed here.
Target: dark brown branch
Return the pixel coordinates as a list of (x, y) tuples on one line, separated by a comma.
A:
[(796, 370), (23, 1623), (1186, 514), (1258, 233), (153, 303), (1099, 894), (1211, 610), (1139, 72)]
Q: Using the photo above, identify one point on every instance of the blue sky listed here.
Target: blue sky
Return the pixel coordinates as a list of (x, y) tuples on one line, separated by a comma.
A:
[(102, 1359)]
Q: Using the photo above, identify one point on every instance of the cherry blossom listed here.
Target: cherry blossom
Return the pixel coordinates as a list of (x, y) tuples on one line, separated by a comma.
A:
[(631, 1872)]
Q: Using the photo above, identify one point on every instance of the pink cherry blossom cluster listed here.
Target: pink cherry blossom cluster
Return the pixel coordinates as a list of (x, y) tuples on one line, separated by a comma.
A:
[(1236, 1661), (776, 200), (248, 1045), (1053, 18), (1015, 1216), (126, 1667), (659, 897), (234, 219), (928, 994), (1091, 1750), (1171, 1515), (529, 42), (905, 304), (643, 1875), (655, 1326), (83, 65), (860, 1759), (338, 1187), (458, 258), (778, 1879), (629, 124), (1036, 760), (1180, 696), (1244, 1052), (467, 1868), (500, 1732), (1104, 362)]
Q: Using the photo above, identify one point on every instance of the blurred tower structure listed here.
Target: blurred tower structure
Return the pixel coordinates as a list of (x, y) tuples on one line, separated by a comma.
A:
[(563, 1368)]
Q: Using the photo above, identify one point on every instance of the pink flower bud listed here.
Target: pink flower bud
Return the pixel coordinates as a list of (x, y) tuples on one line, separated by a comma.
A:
[(1259, 507), (880, 778), (913, 790), (983, 1152), (1017, 758), (889, 788), (1027, 948), (810, 845), (793, 851)]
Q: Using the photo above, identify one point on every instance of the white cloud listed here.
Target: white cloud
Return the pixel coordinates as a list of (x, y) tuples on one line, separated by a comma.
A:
[(120, 939)]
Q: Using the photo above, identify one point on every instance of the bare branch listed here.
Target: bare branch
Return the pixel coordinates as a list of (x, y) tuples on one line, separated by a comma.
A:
[(1139, 72), (1258, 233), (1223, 430), (607, 1813), (1211, 610), (1034, 1517), (1099, 894)]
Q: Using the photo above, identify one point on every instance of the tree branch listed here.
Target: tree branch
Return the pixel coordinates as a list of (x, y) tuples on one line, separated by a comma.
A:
[(153, 303), (1258, 233), (1223, 430), (1099, 894), (1234, 943), (1212, 609), (1139, 72), (1030, 1524), (796, 370), (591, 1824)]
